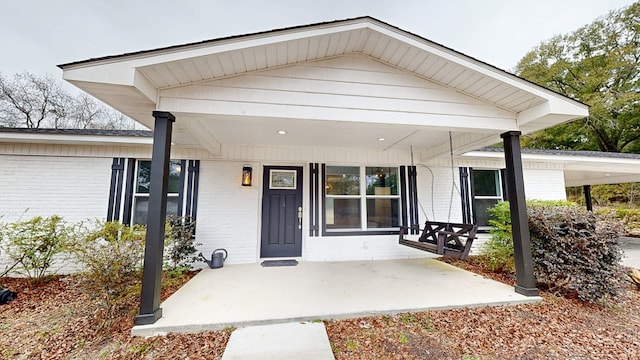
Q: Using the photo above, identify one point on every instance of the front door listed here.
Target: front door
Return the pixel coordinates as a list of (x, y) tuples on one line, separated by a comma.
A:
[(282, 212)]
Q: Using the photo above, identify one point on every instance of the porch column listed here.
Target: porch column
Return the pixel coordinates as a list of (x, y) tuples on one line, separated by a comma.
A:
[(525, 279), (587, 197), (150, 310)]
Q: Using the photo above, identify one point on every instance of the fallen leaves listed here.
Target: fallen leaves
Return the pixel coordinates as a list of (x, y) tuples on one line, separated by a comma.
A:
[(557, 328), (55, 320)]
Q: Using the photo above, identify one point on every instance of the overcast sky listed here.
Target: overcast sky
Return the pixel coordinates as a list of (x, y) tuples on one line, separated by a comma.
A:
[(37, 35)]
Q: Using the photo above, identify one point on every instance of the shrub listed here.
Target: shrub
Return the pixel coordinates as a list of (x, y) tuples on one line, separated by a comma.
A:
[(111, 256), (180, 248), (34, 244), (497, 253), (575, 251)]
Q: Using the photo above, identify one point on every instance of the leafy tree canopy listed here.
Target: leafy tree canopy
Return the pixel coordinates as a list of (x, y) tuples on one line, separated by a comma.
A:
[(598, 64)]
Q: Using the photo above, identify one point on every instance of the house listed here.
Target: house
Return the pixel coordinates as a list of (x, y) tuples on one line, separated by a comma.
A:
[(314, 142)]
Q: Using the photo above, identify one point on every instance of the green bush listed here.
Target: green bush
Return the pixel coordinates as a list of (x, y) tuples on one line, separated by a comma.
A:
[(575, 251), (111, 257), (497, 253), (34, 244), (179, 246)]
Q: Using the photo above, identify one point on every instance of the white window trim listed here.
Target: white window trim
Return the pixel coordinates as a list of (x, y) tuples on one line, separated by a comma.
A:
[(363, 200)]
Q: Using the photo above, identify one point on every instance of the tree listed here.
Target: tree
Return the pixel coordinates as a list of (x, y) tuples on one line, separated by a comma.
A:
[(35, 101), (32, 101), (598, 64)]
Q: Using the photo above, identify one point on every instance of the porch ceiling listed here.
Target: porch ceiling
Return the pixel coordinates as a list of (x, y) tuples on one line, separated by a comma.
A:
[(132, 83)]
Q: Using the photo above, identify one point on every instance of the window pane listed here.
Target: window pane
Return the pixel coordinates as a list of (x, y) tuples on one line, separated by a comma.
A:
[(382, 180), (480, 207), (486, 182), (174, 177), (141, 208), (343, 180), (144, 177), (343, 213), (382, 213)]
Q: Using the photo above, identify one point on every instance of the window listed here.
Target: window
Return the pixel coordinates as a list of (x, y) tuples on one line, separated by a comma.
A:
[(141, 190), (361, 198), (486, 192)]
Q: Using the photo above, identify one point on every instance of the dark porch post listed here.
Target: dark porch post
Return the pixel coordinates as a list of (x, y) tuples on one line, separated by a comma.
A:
[(150, 310), (525, 279), (587, 197)]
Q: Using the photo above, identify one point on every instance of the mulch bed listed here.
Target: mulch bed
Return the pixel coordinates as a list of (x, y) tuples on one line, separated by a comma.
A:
[(56, 320)]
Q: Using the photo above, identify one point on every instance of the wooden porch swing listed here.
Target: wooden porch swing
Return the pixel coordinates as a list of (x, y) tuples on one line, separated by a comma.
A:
[(448, 239)]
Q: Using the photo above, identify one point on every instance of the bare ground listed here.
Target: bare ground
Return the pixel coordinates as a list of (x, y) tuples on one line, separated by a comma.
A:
[(55, 320)]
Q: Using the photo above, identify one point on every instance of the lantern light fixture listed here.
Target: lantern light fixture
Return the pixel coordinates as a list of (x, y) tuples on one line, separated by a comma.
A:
[(246, 175)]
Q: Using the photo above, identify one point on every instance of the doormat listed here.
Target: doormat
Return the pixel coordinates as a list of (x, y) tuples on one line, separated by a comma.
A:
[(271, 263)]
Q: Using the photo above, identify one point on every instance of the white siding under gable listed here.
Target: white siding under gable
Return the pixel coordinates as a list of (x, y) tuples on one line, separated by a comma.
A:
[(346, 88), (544, 184)]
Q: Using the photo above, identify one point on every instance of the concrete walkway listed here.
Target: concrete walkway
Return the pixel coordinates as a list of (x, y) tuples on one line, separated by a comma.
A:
[(245, 295), (289, 341), (631, 248)]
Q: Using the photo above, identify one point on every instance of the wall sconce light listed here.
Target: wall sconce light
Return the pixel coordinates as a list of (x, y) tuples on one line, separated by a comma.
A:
[(246, 175)]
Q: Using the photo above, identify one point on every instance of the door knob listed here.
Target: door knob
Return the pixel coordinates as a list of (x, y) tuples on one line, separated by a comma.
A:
[(299, 217)]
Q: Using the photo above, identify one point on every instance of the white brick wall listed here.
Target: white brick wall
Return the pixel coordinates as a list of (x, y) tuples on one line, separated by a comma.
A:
[(74, 188), (228, 213)]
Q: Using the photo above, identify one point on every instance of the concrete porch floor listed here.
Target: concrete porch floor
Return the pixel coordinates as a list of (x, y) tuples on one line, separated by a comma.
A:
[(245, 295)]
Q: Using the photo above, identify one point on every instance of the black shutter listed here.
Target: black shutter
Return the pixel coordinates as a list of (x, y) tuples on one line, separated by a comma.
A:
[(193, 172), (413, 199), (314, 196), (128, 195), (465, 195), (323, 189), (472, 197), (183, 166), (115, 190), (403, 197)]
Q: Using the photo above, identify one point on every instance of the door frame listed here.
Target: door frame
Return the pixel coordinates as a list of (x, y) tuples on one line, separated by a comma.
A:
[(296, 250)]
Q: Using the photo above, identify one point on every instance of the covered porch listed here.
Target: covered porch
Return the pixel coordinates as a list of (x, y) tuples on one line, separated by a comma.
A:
[(357, 92), (249, 294)]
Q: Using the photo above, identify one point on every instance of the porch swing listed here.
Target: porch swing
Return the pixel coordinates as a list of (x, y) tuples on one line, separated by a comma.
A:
[(452, 240)]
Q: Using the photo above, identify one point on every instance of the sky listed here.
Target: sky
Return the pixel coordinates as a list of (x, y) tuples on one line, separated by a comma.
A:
[(37, 35)]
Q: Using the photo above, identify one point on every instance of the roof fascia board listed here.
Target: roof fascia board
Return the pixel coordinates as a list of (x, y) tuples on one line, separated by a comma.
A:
[(476, 65), (566, 159), (152, 57), (73, 139), (614, 179)]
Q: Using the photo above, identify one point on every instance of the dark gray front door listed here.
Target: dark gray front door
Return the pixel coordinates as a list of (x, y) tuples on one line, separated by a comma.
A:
[(282, 212)]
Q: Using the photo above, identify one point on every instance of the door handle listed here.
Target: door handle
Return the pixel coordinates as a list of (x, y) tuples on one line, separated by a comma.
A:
[(299, 217)]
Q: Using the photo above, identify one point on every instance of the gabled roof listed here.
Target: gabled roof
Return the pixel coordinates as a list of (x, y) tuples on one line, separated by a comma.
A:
[(133, 82)]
